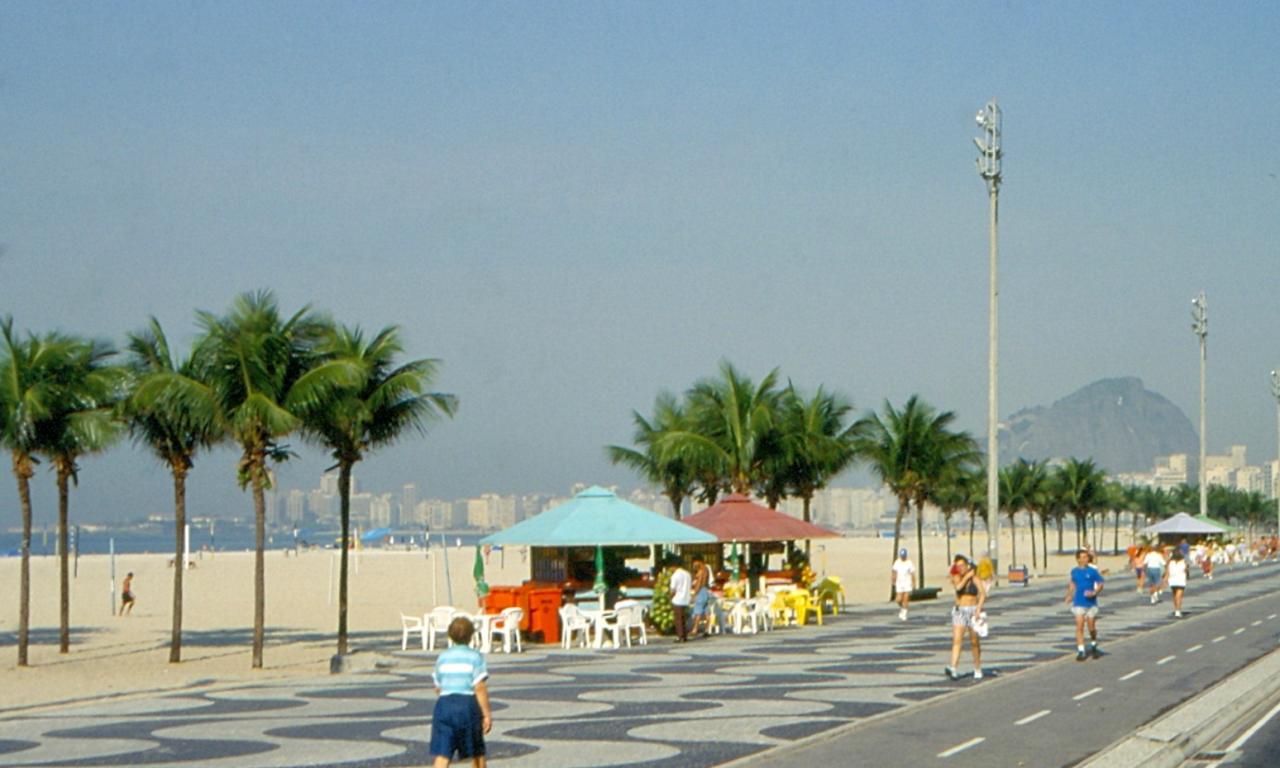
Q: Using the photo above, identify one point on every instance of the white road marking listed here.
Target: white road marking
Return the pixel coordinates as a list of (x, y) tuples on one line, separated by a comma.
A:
[(1219, 638), (1254, 729), (962, 747), (1131, 675), (1272, 616), (1238, 631), (1194, 648), (1257, 623), (1032, 718), (1086, 694), (1165, 660)]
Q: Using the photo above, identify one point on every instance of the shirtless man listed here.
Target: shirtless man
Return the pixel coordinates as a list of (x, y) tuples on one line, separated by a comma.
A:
[(126, 595)]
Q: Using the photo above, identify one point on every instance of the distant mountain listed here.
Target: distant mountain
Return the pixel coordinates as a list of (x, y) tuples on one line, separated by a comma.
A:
[(1118, 423)]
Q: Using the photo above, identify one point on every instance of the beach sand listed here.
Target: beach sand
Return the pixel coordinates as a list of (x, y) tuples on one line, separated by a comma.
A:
[(117, 655)]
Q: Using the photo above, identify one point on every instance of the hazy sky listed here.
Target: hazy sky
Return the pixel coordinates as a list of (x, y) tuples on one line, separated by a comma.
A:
[(576, 206)]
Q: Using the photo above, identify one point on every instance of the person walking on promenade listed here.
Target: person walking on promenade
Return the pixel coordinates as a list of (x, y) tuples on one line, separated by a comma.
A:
[(986, 571), (126, 595), (1083, 586), (1153, 562), (903, 576), (1135, 562), (1176, 579), (701, 590), (461, 716), (971, 595), (681, 597)]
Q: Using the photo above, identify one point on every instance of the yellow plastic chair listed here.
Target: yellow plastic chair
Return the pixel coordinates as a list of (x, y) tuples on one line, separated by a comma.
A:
[(781, 610), (802, 606), (830, 592)]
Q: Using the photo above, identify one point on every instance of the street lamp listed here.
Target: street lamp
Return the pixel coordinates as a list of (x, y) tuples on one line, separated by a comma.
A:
[(1200, 327), (989, 156), (1275, 390)]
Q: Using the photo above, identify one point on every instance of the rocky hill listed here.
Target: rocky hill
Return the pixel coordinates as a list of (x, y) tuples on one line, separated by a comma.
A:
[(1118, 423)]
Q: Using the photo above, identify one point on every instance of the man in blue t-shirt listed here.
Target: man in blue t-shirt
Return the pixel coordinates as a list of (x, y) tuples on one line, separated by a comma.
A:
[(1083, 587), (461, 717)]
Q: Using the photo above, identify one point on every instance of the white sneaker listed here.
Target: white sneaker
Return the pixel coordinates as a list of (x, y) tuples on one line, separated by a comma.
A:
[(902, 615), (1153, 598), (977, 674)]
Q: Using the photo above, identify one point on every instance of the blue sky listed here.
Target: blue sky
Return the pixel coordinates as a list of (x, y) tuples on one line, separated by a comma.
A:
[(578, 205)]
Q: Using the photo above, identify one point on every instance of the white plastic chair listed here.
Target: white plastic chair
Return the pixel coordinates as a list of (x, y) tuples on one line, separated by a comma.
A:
[(761, 610), (509, 627), (409, 625), (437, 622), (629, 616), (572, 620), (743, 615)]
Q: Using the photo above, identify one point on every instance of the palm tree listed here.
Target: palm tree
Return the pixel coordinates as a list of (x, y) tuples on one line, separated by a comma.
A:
[(28, 382), (951, 495), (388, 400), (174, 414), (1012, 499), (816, 443), (264, 370), (670, 472), (80, 421), (732, 428), (910, 449), (1082, 486), (1037, 494)]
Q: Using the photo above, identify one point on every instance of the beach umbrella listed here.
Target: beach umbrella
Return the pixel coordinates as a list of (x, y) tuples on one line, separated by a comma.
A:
[(477, 571), (733, 557)]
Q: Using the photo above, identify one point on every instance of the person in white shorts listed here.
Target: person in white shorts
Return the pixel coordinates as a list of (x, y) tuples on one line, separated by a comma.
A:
[(904, 572), (1084, 584), (1176, 578)]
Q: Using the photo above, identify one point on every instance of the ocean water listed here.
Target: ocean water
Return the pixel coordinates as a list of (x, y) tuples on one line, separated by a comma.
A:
[(226, 536)]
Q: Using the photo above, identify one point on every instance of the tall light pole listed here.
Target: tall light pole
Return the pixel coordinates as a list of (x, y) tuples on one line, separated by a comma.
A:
[(989, 156), (1200, 327), (1275, 481)]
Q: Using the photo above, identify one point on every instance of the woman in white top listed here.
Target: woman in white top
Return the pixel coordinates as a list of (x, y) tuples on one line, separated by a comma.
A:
[(1176, 577), (1154, 563), (904, 572)]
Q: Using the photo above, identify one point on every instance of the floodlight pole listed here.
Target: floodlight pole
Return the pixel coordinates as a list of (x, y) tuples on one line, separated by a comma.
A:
[(1275, 481), (989, 157), (1200, 327)]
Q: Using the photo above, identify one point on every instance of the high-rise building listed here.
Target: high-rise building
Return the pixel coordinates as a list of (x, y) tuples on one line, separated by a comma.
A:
[(297, 503)]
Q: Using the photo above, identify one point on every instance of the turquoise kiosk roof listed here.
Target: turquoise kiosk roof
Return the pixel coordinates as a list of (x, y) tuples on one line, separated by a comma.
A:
[(598, 516)]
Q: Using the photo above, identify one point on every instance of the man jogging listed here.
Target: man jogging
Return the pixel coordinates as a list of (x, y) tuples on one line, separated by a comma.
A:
[(903, 575), (1083, 587)]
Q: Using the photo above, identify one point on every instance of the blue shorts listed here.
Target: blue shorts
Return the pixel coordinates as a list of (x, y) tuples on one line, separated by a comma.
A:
[(701, 602), (457, 727)]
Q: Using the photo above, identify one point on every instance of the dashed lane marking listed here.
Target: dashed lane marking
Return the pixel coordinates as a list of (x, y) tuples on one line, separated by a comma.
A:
[(962, 747), (1238, 631), (1257, 623), (1195, 648), (1219, 638), (1165, 660), (1086, 694), (1131, 675), (1033, 718)]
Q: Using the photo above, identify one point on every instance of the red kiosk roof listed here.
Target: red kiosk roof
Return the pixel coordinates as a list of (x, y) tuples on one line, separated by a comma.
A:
[(738, 518)]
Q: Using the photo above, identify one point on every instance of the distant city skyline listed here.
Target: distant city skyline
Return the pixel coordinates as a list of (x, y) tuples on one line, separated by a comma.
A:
[(578, 206)]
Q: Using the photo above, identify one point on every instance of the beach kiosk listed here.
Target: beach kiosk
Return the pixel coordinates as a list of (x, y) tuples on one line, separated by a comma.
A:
[(564, 543), (1183, 525), (736, 519)]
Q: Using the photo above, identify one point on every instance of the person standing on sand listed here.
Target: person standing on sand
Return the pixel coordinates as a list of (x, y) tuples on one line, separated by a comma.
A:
[(1083, 586), (903, 576), (461, 716), (970, 597), (126, 595)]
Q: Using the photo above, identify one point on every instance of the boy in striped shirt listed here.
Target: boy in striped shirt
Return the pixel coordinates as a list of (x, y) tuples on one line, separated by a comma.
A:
[(461, 717)]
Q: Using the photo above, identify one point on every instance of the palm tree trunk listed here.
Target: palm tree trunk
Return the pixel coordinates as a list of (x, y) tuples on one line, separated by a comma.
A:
[(1044, 541), (22, 472), (920, 543), (807, 499), (179, 559), (64, 573), (1013, 539), (677, 501), (257, 469), (1115, 544), (897, 537), (946, 519), (344, 499), (973, 523), (1031, 522)]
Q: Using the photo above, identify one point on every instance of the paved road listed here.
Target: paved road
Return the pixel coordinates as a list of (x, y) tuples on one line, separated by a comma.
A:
[(707, 702), (1060, 713)]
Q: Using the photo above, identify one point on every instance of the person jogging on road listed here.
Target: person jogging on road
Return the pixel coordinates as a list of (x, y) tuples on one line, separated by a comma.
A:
[(1083, 587), (1154, 565), (1176, 579), (904, 572)]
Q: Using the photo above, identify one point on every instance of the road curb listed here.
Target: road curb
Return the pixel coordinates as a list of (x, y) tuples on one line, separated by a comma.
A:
[(1172, 739)]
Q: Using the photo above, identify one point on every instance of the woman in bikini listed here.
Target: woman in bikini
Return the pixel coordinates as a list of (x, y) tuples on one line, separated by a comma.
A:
[(970, 597)]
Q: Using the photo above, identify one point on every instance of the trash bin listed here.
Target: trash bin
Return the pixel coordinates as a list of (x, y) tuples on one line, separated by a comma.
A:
[(544, 613), (499, 598)]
